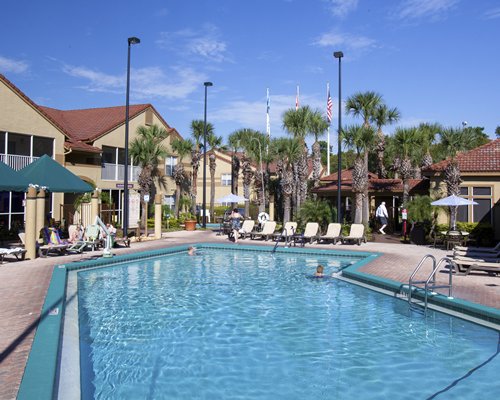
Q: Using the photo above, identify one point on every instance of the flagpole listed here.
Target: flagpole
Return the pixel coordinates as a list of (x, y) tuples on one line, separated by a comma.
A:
[(268, 123), (297, 99), (328, 131)]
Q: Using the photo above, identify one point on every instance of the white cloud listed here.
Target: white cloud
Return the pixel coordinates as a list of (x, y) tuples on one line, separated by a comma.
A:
[(416, 9), (491, 14), (146, 83), (8, 65), (205, 43), (340, 8), (346, 41)]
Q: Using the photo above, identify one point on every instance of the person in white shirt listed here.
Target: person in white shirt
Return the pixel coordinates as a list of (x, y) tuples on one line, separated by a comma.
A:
[(381, 215)]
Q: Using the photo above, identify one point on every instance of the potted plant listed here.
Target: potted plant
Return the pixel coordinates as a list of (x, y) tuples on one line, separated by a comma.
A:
[(189, 221)]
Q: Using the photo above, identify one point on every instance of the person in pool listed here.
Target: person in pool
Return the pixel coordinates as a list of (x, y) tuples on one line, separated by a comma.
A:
[(191, 250), (319, 271)]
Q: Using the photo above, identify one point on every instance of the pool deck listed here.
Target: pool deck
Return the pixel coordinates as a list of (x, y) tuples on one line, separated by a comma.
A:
[(23, 286)]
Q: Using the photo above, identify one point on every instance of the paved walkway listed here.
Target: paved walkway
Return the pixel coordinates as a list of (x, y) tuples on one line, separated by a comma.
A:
[(23, 286)]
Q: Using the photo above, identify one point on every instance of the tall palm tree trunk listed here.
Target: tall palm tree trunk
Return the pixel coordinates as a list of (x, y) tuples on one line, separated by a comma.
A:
[(195, 163)]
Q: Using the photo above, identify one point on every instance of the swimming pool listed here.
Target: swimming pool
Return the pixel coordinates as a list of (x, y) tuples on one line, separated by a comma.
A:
[(253, 324)]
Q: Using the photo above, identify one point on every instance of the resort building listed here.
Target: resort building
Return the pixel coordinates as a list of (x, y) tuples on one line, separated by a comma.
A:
[(90, 143), (480, 173)]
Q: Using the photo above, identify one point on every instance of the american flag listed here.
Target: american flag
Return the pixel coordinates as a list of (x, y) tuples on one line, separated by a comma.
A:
[(329, 106)]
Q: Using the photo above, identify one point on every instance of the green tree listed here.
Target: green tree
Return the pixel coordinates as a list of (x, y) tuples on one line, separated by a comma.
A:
[(182, 148), (215, 143), (197, 127), (406, 139), (383, 115), (147, 150), (364, 105), (287, 152), (317, 126), (357, 137)]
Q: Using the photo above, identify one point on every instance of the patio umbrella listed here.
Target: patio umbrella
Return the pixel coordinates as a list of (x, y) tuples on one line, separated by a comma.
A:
[(231, 198), (56, 178), (12, 181), (453, 202)]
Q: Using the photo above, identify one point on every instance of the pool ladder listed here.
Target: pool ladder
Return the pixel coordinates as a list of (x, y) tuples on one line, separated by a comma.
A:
[(429, 284), (283, 235)]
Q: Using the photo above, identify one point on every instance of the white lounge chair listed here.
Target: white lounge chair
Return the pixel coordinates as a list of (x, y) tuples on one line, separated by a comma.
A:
[(289, 229), (18, 252), (332, 233), (465, 267), (267, 231), (246, 228), (356, 234), (309, 235), (472, 249)]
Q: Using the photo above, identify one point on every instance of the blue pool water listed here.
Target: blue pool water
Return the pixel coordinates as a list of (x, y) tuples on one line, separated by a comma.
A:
[(228, 324)]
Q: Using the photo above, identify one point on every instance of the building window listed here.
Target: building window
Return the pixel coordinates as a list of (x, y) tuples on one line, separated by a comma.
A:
[(480, 212), (170, 163), (226, 179)]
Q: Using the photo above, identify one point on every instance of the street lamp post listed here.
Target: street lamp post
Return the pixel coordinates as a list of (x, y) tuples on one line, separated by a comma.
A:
[(206, 84), (131, 41), (263, 199), (339, 55)]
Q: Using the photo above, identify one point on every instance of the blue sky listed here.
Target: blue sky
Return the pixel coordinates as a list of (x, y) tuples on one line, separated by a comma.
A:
[(436, 60)]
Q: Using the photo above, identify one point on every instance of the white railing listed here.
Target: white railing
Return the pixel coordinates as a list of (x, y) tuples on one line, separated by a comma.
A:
[(17, 162), (115, 172)]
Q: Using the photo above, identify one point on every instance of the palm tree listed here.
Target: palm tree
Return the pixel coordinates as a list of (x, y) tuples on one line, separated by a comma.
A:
[(147, 150), (197, 127), (382, 116), (296, 123), (357, 137), (406, 140), (454, 140), (364, 105), (287, 151), (182, 148), (215, 143), (426, 135), (317, 127)]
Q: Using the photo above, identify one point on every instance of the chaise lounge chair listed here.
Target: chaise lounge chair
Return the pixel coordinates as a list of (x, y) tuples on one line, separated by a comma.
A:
[(267, 231), (332, 233), (310, 234), (465, 267), (287, 232), (356, 234), (246, 228), (52, 243), (18, 252), (472, 249)]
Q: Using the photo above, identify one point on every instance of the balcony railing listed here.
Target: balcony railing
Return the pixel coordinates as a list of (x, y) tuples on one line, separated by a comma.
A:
[(17, 162), (115, 172)]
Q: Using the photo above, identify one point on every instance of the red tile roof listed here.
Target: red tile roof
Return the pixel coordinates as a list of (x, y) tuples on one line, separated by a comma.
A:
[(485, 158), (346, 175), (379, 185), (86, 125), (90, 124), (80, 146)]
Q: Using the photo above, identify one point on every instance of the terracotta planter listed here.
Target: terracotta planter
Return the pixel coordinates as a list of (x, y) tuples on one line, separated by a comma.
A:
[(190, 225)]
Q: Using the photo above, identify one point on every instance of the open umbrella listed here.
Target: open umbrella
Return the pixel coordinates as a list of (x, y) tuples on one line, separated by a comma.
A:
[(56, 178), (453, 201), (12, 181), (231, 198)]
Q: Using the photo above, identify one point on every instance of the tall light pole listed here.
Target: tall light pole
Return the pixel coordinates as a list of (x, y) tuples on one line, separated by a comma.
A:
[(131, 40), (339, 55), (206, 84), (263, 200)]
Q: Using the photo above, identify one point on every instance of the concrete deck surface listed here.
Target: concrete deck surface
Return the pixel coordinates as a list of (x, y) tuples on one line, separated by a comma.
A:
[(23, 285)]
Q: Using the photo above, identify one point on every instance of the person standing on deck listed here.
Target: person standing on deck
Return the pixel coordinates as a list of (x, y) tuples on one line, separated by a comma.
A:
[(381, 215)]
